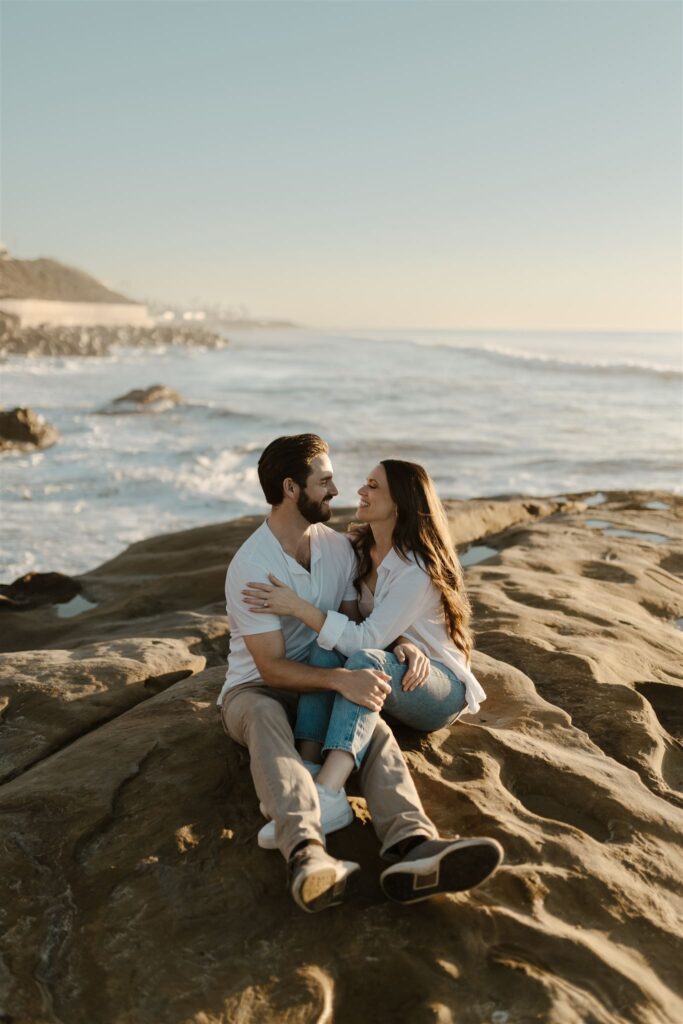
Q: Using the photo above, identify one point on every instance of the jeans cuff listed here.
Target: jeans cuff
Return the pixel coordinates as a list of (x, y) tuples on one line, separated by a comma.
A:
[(303, 734)]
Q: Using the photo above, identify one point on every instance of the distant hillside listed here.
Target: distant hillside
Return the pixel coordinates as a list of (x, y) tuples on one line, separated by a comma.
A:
[(49, 279)]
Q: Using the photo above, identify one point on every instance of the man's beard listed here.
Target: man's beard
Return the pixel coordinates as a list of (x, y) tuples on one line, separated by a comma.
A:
[(313, 511)]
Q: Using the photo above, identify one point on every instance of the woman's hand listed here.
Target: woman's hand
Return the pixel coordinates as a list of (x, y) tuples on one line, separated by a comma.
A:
[(419, 665), (276, 599)]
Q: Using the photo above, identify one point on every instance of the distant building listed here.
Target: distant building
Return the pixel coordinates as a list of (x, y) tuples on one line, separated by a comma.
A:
[(33, 312)]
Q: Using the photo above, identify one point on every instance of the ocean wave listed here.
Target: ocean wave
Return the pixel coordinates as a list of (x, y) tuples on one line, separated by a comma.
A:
[(223, 413), (401, 448), (497, 352), (533, 360), (230, 474)]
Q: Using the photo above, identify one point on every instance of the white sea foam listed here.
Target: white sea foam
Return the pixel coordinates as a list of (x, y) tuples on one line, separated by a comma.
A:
[(602, 366), (599, 352)]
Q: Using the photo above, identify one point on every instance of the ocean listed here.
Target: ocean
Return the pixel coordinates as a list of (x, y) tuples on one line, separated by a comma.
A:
[(487, 413)]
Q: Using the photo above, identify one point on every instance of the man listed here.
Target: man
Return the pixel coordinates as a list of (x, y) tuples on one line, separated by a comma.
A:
[(267, 670)]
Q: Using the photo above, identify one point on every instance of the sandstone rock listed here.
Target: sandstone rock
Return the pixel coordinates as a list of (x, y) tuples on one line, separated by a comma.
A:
[(50, 698), (472, 520), (25, 430), (135, 890)]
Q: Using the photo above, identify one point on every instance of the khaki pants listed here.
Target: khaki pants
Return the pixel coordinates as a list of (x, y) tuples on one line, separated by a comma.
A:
[(260, 718)]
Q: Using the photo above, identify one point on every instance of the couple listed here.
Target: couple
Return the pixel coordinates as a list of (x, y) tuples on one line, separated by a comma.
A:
[(328, 630)]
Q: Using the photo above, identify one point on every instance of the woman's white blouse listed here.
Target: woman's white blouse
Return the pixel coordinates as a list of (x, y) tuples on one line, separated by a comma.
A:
[(406, 603)]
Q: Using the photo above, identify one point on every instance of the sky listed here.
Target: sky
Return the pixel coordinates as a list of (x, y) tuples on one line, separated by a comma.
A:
[(483, 164)]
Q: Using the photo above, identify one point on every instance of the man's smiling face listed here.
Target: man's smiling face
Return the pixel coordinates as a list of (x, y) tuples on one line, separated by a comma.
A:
[(314, 499)]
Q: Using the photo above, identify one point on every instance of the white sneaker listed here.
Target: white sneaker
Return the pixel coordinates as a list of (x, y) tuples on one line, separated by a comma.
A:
[(312, 767), (335, 813)]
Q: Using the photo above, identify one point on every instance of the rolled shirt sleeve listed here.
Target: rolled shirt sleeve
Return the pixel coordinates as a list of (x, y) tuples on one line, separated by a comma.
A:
[(398, 609)]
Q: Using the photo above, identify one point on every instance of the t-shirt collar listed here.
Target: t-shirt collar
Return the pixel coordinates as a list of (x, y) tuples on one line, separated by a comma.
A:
[(315, 551)]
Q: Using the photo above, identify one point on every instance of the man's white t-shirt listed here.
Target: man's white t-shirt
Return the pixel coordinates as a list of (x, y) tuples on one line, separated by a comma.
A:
[(329, 582)]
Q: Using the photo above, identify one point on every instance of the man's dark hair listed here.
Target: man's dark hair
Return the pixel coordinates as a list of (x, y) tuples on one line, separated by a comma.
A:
[(288, 457)]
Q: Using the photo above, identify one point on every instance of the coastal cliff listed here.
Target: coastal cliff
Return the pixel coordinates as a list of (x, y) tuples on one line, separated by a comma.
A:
[(134, 888)]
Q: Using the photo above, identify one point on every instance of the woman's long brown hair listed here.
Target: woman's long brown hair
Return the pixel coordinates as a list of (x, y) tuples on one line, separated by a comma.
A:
[(421, 528)]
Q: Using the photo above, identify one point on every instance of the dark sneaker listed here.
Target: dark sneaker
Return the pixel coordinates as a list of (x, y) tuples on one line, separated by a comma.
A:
[(318, 881), (441, 865)]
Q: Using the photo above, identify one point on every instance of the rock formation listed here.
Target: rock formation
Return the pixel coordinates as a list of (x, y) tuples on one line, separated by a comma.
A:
[(38, 588), (134, 890), (156, 398), (24, 430)]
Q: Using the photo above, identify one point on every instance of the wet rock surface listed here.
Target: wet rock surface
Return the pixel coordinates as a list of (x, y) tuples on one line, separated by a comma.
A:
[(155, 398), (24, 430), (38, 588), (134, 888)]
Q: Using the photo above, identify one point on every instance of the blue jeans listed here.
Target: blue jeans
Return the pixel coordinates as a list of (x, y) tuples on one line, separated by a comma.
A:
[(339, 724)]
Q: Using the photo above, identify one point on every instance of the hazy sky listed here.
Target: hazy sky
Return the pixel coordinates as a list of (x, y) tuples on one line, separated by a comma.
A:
[(464, 164)]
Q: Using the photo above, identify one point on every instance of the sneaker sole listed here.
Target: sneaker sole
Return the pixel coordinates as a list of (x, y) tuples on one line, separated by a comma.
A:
[(325, 887), (466, 864)]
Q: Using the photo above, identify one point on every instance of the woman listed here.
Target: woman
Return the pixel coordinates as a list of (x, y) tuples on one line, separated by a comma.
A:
[(410, 589)]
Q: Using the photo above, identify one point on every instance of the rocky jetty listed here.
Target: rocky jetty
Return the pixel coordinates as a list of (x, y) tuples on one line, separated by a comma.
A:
[(156, 398), (134, 890), (98, 340), (24, 430)]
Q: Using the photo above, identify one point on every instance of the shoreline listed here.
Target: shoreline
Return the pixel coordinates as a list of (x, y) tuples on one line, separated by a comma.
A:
[(501, 432), (491, 513)]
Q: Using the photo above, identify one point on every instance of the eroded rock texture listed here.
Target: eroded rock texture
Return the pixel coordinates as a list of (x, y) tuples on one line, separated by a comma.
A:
[(135, 893)]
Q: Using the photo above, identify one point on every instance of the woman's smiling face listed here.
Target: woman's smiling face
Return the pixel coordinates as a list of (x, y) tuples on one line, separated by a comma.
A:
[(376, 503)]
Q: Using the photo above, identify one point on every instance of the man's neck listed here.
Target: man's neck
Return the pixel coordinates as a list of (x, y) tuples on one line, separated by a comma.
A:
[(289, 527)]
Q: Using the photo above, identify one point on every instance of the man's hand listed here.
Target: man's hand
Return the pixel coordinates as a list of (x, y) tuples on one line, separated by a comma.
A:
[(365, 686), (419, 665)]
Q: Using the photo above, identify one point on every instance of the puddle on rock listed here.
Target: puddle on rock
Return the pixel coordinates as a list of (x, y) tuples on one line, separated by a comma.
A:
[(477, 553), (654, 538), (678, 623), (658, 506), (599, 498), (76, 606), (615, 531)]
